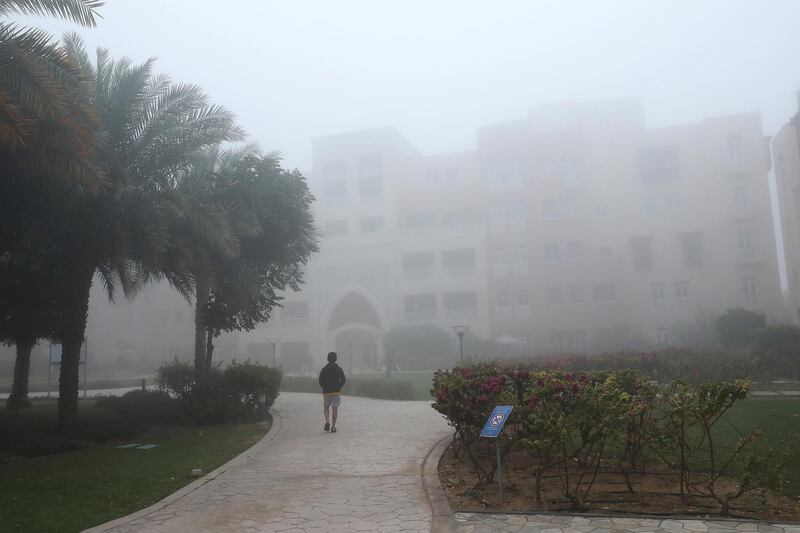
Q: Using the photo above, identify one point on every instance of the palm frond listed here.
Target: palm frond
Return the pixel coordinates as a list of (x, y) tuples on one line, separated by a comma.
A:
[(80, 11)]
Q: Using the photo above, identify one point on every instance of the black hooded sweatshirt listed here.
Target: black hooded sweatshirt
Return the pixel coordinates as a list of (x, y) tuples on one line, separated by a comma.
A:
[(331, 378)]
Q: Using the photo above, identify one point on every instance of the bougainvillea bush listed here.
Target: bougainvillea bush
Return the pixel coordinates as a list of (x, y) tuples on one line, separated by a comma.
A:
[(575, 425)]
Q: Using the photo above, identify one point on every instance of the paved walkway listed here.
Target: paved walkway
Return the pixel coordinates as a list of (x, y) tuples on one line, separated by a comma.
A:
[(491, 523), (366, 477)]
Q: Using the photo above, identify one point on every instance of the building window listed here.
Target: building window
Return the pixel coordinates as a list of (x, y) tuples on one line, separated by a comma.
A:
[(740, 200), (604, 292), (335, 170), (371, 224), (459, 262), (692, 244), (658, 163), (520, 255), (574, 251), (294, 314), (418, 265), (734, 144), (571, 210), (750, 290), (673, 203), (601, 211), (682, 290), (576, 295), (745, 243), (641, 248), (603, 252), (569, 174), (370, 186), (551, 252), (419, 220), (419, 307), (662, 337), (500, 263), (659, 294), (458, 305), (550, 210), (504, 310), (650, 206), (335, 190), (432, 178), (523, 308), (337, 227), (554, 296), (569, 341), (498, 219), (451, 175), (461, 218), (517, 216)]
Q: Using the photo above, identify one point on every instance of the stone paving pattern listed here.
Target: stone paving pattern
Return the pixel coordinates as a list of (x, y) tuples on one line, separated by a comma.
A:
[(366, 477), (491, 523)]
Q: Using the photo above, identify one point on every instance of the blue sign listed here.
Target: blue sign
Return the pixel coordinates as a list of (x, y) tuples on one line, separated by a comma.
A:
[(496, 421)]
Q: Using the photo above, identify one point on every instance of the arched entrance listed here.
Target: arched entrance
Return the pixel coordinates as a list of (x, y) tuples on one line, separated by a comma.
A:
[(354, 330)]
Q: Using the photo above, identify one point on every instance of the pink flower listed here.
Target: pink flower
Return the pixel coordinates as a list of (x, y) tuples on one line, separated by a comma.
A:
[(575, 388), (483, 399)]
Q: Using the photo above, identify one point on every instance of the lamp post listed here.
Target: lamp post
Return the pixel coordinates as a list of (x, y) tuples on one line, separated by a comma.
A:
[(460, 331), (274, 343)]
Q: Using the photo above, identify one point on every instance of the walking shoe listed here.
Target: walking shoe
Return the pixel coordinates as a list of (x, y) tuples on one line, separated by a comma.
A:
[(327, 427), (333, 430)]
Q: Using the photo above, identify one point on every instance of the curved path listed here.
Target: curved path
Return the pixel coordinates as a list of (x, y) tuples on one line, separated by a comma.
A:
[(366, 477)]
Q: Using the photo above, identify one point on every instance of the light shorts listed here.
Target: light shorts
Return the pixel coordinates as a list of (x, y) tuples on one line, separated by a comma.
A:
[(332, 401)]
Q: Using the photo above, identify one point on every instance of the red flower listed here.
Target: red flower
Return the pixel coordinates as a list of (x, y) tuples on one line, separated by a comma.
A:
[(575, 388)]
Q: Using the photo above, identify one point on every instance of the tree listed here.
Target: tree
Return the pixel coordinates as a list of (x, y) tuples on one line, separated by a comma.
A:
[(45, 121), (27, 300), (270, 209), (150, 131), (778, 348), (735, 327)]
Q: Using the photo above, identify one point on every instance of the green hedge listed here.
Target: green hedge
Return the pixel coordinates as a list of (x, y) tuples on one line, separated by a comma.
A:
[(382, 388)]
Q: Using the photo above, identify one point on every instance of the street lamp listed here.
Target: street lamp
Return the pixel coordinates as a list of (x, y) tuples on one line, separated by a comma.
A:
[(274, 343), (460, 331)]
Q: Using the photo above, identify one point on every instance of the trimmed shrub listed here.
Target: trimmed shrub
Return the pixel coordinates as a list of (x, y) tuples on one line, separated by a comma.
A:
[(575, 424), (778, 349), (736, 326), (144, 407), (242, 391), (379, 387)]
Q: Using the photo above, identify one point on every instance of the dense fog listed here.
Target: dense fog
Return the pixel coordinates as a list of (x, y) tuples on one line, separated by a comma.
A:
[(561, 177)]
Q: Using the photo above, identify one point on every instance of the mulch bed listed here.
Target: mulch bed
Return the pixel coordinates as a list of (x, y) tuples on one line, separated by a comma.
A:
[(656, 491)]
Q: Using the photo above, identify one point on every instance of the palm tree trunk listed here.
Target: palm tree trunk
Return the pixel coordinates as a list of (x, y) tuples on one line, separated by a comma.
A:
[(201, 298), (75, 308), (22, 366), (209, 349)]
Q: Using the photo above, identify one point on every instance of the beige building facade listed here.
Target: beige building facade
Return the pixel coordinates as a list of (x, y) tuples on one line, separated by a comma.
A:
[(574, 229)]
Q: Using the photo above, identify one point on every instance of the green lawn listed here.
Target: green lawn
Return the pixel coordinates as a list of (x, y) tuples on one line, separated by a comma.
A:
[(778, 419), (76, 490)]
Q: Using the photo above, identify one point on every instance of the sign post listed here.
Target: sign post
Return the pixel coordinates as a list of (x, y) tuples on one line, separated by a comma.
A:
[(492, 428)]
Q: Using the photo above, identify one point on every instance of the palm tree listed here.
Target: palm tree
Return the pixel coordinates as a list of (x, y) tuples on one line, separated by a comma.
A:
[(44, 120), (152, 131)]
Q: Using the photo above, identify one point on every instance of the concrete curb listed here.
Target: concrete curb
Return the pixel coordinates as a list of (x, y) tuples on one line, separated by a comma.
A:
[(277, 422), (442, 518)]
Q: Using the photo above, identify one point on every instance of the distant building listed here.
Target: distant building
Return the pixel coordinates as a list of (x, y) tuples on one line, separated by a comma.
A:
[(574, 229), (786, 160)]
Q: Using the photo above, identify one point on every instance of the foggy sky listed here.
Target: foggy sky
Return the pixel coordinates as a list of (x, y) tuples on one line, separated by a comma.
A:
[(437, 71)]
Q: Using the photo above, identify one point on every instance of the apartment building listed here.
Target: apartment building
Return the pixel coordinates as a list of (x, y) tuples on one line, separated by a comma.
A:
[(576, 228), (786, 161)]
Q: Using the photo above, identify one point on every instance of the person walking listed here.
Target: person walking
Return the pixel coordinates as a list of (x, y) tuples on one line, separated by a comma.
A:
[(331, 379)]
